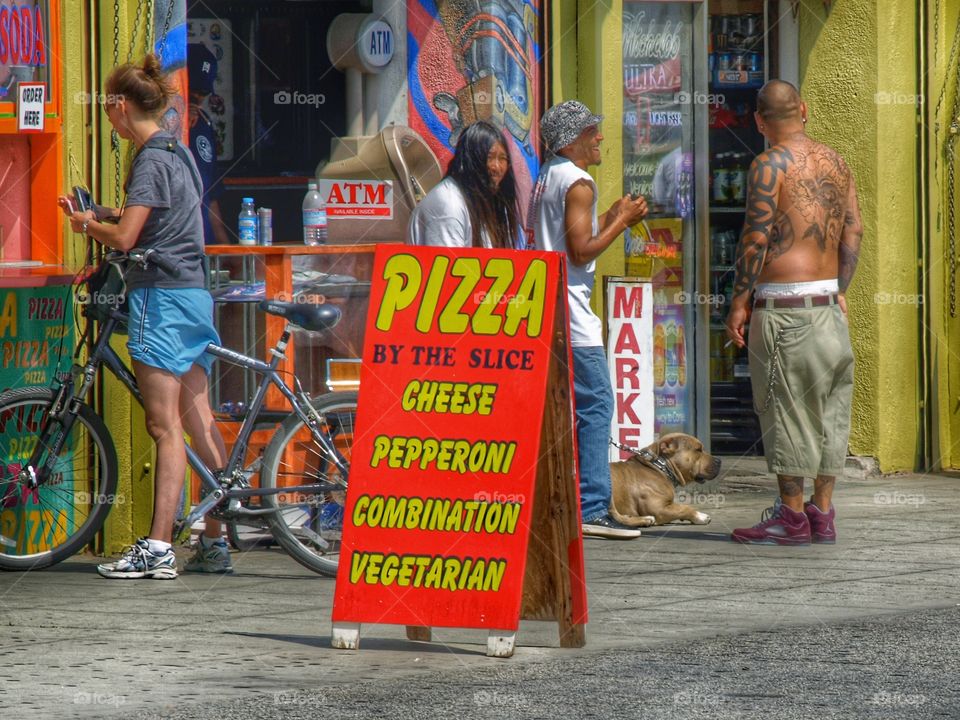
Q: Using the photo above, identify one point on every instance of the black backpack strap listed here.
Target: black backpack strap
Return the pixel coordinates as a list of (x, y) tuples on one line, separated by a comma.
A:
[(169, 145)]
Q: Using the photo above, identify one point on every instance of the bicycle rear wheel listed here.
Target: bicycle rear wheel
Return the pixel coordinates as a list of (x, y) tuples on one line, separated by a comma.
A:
[(309, 525), (42, 525)]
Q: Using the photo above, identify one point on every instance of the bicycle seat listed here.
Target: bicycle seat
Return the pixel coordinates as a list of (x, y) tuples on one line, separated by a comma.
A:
[(309, 316)]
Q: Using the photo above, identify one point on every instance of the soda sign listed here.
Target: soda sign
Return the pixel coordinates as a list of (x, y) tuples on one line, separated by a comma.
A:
[(363, 199)]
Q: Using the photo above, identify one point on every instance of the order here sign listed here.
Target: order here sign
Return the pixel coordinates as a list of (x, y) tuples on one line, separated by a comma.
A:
[(447, 447)]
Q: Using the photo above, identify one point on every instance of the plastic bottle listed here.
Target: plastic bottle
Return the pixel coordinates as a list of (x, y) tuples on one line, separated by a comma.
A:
[(314, 216), (720, 179), (737, 179), (249, 223)]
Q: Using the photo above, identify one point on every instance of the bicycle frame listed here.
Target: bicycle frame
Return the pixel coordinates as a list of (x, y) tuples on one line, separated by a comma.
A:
[(216, 484)]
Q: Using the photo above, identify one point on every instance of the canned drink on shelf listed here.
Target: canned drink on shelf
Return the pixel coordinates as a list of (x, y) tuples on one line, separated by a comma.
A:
[(266, 225)]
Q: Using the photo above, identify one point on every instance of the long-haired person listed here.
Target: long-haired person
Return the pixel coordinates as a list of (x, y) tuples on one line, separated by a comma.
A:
[(475, 205), (171, 316)]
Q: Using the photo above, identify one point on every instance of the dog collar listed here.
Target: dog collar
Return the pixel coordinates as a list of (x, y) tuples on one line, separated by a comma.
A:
[(654, 461)]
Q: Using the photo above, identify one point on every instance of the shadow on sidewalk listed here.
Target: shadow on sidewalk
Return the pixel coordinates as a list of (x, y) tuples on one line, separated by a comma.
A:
[(677, 533), (366, 643)]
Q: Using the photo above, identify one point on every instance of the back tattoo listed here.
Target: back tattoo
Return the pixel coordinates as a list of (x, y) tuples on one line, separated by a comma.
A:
[(795, 190)]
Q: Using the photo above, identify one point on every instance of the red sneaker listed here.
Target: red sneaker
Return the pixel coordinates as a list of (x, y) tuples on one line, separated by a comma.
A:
[(822, 528), (779, 526)]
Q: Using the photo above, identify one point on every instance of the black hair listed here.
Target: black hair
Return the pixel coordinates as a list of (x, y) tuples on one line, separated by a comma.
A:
[(492, 209)]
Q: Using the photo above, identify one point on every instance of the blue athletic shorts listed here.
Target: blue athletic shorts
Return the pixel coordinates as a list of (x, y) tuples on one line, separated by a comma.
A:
[(170, 328)]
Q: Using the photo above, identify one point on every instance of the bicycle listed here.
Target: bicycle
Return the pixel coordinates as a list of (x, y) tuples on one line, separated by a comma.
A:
[(58, 462)]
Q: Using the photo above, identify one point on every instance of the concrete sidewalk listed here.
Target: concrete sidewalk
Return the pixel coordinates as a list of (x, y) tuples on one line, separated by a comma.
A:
[(76, 645)]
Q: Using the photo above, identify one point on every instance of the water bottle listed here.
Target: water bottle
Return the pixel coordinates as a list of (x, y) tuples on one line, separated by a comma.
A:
[(314, 216), (249, 223)]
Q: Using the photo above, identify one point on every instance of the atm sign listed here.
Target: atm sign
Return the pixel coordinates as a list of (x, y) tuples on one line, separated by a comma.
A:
[(358, 198)]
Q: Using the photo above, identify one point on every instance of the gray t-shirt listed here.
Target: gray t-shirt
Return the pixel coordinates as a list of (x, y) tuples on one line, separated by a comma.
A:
[(159, 179)]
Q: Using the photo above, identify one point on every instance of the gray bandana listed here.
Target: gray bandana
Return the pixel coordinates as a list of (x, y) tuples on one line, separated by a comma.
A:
[(563, 123)]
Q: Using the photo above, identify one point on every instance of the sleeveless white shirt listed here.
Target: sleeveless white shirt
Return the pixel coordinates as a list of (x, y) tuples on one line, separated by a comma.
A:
[(550, 199)]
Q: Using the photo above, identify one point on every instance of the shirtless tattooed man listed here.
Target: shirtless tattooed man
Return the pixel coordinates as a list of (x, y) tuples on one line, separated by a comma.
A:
[(795, 260)]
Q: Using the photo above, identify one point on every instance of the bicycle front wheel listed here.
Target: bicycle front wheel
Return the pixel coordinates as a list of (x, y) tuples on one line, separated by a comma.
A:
[(50, 511), (308, 525)]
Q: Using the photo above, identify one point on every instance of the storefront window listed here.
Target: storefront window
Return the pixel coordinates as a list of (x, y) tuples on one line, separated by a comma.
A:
[(277, 101), (24, 49), (659, 107)]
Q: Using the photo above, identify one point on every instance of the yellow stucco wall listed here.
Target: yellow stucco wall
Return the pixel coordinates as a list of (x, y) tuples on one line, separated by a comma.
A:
[(600, 86), (88, 161), (858, 76), (585, 52), (941, 101)]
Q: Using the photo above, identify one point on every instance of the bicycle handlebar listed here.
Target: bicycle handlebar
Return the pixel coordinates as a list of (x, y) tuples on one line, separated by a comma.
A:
[(144, 258)]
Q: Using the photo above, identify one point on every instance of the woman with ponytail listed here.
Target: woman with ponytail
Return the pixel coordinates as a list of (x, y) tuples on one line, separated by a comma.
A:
[(171, 314), (475, 205)]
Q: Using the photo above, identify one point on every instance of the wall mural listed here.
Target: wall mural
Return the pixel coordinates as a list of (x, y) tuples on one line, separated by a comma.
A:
[(170, 45), (472, 60)]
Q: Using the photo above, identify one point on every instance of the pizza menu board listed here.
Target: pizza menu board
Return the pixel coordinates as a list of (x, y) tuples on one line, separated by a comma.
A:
[(444, 462)]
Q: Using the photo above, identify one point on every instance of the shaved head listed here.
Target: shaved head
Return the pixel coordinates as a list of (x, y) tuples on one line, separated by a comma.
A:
[(778, 101)]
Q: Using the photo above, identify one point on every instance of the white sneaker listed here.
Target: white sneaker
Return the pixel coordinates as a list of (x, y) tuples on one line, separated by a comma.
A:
[(213, 559), (138, 561)]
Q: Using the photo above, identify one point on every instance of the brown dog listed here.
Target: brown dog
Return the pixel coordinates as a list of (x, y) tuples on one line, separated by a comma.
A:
[(644, 495)]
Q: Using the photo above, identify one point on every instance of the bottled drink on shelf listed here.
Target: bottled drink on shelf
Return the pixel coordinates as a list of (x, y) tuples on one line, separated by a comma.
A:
[(737, 180), (719, 174), (248, 223), (314, 216)]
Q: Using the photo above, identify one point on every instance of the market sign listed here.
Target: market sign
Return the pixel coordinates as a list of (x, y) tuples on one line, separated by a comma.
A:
[(456, 435), (357, 199), (631, 347)]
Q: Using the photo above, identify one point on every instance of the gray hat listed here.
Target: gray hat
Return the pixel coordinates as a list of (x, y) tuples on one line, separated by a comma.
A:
[(563, 123)]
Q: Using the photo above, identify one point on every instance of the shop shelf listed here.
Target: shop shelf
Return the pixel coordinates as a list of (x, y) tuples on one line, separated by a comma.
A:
[(728, 209)]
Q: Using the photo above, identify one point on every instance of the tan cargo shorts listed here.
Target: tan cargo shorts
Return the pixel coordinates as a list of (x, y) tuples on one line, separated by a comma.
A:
[(802, 394)]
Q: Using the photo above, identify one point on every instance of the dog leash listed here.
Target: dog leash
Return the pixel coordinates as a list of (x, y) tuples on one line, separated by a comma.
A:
[(654, 461)]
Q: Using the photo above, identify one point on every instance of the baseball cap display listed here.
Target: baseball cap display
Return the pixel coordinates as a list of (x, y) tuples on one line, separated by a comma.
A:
[(563, 123), (201, 68)]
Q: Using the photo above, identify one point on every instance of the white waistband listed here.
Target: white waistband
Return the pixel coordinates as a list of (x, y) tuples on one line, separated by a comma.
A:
[(797, 289)]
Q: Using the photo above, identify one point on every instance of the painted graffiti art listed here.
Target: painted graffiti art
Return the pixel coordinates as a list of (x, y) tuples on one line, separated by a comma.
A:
[(472, 60)]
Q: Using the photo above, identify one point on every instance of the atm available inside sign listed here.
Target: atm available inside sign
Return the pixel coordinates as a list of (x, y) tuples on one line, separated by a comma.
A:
[(358, 198)]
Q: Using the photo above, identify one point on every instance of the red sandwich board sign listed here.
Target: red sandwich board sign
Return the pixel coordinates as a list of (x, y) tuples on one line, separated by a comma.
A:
[(462, 508)]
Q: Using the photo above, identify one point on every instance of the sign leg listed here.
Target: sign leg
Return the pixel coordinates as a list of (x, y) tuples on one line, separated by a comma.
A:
[(345, 636), (501, 645), (419, 632)]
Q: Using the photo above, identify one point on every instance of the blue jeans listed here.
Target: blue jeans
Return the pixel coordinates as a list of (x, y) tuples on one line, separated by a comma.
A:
[(593, 398)]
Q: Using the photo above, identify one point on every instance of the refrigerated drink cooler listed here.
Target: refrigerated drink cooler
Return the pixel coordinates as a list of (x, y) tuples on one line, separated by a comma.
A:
[(690, 76)]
